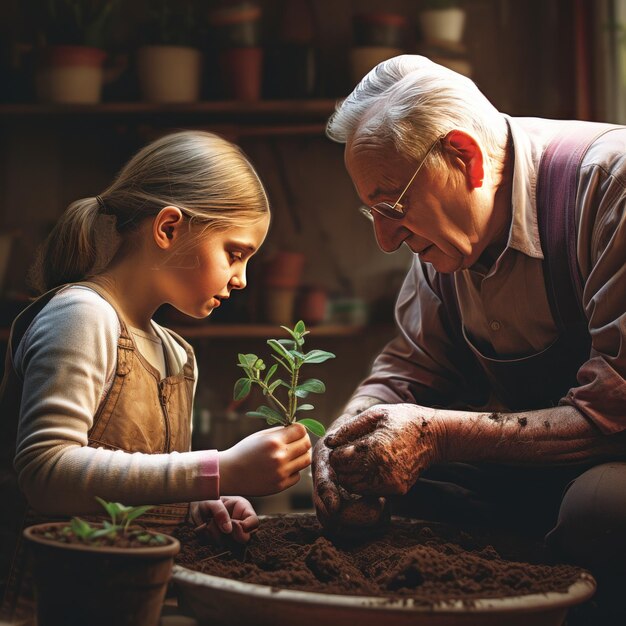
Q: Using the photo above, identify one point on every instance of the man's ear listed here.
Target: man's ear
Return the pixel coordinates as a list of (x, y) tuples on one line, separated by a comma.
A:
[(464, 148), (166, 227)]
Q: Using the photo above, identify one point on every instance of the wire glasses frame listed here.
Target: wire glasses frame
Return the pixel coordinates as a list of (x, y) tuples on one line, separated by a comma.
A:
[(397, 210)]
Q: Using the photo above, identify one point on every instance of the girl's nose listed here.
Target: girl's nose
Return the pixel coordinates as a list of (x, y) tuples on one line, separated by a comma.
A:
[(389, 233), (238, 280)]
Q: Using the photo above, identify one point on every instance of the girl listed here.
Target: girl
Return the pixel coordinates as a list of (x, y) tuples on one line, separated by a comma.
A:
[(97, 397)]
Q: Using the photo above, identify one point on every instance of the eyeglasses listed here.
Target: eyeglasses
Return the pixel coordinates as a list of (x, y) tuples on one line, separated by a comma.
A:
[(397, 210)]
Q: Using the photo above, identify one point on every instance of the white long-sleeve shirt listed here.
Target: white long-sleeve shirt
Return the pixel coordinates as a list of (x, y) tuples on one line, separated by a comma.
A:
[(67, 360)]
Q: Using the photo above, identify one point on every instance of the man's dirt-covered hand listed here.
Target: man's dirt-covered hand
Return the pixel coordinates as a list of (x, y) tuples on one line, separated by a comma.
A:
[(383, 450), (337, 510)]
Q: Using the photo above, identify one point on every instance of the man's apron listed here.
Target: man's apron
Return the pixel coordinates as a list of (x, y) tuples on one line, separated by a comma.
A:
[(540, 380)]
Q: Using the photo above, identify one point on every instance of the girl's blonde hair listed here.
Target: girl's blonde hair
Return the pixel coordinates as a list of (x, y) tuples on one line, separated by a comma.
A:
[(207, 177)]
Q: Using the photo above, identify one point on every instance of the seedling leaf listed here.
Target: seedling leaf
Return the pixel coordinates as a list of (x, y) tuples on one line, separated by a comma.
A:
[(289, 354), (248, 360), (280, 349), (270, 373), (313, 385), (318, 356), (270, 413), (242, 388), (314, 426)]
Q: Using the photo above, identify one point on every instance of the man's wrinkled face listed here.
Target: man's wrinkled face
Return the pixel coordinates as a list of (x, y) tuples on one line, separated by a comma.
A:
[(446, 222)]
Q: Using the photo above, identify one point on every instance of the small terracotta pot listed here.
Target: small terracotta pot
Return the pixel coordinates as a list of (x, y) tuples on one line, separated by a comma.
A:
[(79, 584), (312, 305), (241, 71), (284, 270), (70, 74)]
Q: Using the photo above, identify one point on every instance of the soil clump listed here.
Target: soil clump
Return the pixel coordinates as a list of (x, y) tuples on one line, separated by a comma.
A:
[(428, 563)]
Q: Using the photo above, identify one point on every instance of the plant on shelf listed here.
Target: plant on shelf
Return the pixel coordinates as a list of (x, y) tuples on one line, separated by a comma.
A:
[(73, 22), (173, 23), (169, 63), (70, 37), (100, 573), (290, 356)]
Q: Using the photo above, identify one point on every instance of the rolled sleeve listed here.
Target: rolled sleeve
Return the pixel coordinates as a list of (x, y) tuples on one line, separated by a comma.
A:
[(601, 394)]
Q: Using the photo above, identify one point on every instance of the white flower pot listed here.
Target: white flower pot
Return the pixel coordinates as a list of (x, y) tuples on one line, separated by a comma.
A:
[(169, 74), (442, 24), (71, 75)]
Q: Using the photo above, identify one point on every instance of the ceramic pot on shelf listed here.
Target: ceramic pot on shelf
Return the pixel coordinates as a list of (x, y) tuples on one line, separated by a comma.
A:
[(443, 25), (377, 36), (169, 74), (282, 275), (312, 305), (70, 75), (236, 33)]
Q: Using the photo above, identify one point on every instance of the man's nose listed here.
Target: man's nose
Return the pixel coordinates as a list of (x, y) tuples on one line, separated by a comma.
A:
[(389, 233)]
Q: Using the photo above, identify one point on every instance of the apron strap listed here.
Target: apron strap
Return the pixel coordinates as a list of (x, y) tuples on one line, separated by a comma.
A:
[(557, 188)]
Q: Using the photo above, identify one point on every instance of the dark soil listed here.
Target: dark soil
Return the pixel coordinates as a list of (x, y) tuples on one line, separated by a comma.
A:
[(429, 563)]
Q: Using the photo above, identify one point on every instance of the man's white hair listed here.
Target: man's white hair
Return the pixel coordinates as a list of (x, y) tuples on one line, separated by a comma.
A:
[(410, 101)]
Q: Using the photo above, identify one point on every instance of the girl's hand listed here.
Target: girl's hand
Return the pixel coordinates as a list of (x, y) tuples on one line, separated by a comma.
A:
[(230, 515), (265, 462)]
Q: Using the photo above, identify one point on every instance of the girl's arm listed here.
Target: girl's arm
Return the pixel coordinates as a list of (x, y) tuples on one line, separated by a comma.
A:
[(67, 360)]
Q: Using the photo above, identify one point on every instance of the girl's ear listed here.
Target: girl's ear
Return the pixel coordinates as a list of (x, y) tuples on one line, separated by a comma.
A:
[(166, 227), (464, 149)]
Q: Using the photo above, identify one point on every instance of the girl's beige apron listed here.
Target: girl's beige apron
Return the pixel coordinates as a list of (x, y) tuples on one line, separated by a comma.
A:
[(161, 423)]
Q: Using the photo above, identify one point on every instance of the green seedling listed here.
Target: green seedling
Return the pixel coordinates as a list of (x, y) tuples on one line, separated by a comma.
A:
[(290, 356), (118, 525)]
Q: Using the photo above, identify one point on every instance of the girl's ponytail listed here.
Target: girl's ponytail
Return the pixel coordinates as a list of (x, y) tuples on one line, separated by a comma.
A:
[(69, 252)]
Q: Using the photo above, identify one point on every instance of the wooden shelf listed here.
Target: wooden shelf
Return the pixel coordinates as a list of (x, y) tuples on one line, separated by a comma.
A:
[(235, 118), (233, 110)]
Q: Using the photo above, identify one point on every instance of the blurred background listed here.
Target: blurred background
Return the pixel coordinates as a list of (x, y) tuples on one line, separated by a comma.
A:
[(85, 83)]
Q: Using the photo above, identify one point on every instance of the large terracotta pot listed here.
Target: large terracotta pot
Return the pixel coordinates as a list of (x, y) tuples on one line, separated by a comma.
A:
[(70, 74), (228, 602), (98, 586)]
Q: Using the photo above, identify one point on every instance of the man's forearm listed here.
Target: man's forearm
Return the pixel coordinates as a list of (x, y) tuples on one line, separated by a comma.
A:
[(547, 436)]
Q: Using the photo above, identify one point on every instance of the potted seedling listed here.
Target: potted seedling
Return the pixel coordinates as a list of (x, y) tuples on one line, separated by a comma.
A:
[(112, 572), (290, 356)]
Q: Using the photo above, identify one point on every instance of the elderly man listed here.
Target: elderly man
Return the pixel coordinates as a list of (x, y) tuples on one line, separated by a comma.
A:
[(502, 400)]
